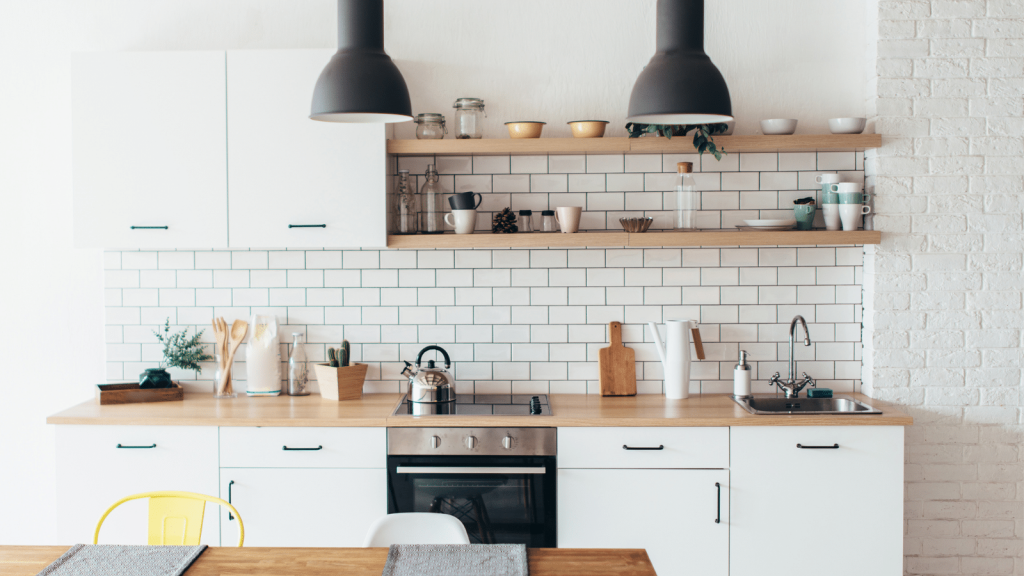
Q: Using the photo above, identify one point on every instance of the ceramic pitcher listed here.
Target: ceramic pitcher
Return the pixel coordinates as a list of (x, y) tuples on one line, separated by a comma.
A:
[(675, 356)]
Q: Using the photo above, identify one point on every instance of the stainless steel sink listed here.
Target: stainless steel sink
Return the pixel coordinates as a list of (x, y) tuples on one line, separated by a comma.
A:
[(837, 405)]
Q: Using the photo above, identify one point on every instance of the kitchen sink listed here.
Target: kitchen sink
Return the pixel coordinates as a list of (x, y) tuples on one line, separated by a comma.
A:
[(837, 405)]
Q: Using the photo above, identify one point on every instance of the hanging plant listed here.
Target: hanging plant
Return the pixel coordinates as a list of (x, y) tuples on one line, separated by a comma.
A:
[(703, 140)]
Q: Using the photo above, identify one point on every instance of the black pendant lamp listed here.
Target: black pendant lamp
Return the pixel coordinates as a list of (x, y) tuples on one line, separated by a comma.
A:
[(361, 84), (680, 85)]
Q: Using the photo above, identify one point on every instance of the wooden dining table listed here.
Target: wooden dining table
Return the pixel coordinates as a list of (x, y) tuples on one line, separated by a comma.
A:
[(30, 560)]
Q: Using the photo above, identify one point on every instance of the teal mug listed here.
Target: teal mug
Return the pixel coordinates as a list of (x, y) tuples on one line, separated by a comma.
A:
[(804, 216), (850, 197)]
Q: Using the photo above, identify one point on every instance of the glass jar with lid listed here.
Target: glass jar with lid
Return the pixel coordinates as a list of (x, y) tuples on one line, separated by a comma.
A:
[(469, 115), (547, 221), (430, 126), (526, 220), (406, 205), (687, 198)]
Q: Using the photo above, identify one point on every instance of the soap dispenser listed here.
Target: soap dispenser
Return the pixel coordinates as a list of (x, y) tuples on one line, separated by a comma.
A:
[(741, 378)]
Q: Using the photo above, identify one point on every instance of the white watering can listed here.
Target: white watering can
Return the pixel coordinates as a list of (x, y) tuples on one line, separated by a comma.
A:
[(675, 355)]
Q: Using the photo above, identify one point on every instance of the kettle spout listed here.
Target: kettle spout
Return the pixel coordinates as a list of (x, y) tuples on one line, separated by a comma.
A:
[(658, 345)]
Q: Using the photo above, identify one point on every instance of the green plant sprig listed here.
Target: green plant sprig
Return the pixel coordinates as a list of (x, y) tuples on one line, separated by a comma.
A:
[(703, 140), (181, 351)]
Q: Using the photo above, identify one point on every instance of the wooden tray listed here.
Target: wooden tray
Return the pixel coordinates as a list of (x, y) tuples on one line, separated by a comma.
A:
[(130, 393)]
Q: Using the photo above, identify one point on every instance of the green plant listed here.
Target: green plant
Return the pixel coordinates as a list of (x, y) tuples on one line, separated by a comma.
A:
[(181, 351), (344, 353), (703, 139), (332, 358)]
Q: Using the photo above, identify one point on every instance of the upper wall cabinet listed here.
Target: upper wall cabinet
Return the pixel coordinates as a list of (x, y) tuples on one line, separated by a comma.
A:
[(294, 182), (149, 150)]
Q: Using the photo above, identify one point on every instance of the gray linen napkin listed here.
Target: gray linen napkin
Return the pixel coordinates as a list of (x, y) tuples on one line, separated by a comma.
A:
[(117, 560), (456, 560)]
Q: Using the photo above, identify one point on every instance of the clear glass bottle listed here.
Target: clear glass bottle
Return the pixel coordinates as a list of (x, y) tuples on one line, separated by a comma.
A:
[(526, 220), (298, 368), (547, 221), (469, 115), (406, 205), (430, 126), (687, 198), (432, 221)]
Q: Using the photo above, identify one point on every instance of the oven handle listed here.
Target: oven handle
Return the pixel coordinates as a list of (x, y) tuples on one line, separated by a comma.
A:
[(469, 470)]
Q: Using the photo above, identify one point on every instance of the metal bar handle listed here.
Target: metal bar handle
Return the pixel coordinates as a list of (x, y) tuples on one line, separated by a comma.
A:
[(307, 225), (832, 447), (306, 449), (230, 484), (718, 520), (470, 470), (660, 447), (137, 447), (149, 227)]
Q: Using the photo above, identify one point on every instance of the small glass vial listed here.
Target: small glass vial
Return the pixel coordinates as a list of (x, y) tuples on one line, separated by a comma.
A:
[(469, 115), (547, 221), (406, 205), (430, 126), (526, 220), (298, 368), (687, 198), (432, 221)]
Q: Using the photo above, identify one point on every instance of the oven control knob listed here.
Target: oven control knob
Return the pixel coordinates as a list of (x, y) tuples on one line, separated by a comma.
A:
[(470, 442), (435, 441), (507, 442)]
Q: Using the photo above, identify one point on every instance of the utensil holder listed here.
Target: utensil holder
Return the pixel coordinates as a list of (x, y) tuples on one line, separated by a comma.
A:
[(344, 383)]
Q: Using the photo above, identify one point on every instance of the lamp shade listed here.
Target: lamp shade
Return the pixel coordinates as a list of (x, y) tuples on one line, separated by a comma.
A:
[(360, 83), (680, 85)]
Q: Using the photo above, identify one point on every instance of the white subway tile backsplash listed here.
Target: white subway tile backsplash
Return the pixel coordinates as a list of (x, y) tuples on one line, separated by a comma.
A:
[(510, 183), (529, 164), (605, 163), (755, 162), (567, 164), (452, 165), (549, 183), (491, 165), (625, 182), (741, 181)]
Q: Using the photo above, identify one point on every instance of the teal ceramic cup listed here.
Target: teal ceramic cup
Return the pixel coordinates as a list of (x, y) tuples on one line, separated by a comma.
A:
[(804, 214), (850, 197), (846, 193), (826, 181)]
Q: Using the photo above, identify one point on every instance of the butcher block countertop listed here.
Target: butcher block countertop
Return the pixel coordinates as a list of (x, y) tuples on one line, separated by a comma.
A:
[(376, 410)]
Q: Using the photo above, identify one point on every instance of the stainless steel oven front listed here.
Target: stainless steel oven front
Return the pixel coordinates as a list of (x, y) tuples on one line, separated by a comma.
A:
[(500, 482)]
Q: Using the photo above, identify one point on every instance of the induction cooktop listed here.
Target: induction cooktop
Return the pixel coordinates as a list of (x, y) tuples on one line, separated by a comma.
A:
[(479, 405)]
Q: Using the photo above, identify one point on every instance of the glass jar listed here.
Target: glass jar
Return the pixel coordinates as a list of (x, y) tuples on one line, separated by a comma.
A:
[(687, 198), (526, 220), (298, 368), (469, 115), (430, 126), (227, 391), (547, 221), (406, 205), (432, 221)]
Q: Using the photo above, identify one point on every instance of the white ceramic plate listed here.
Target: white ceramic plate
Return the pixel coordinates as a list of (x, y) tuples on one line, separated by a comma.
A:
[(763, 223), (763, 228)]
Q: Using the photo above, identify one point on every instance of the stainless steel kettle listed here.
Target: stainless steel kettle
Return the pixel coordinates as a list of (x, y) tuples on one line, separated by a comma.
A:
[(430, 384)]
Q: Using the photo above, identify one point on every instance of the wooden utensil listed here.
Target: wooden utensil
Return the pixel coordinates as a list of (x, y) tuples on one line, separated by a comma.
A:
[(617, 365), (238, 331), (698, 344)]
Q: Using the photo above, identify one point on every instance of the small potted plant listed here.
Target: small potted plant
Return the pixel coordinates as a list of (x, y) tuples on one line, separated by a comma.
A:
[(180, 351), (703, 140), (340, 379)]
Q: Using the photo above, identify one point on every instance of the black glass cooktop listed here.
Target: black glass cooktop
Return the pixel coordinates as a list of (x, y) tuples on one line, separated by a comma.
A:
[(480, 404)]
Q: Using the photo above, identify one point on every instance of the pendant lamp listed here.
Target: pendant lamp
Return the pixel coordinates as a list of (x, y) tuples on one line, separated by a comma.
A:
[(680, 85), (361, 84)]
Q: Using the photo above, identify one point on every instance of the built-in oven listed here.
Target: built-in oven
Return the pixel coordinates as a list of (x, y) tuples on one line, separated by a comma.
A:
[(499, 482)]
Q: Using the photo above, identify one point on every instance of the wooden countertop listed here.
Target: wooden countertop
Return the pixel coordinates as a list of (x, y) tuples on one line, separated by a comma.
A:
[(376, 409), (30, 560)]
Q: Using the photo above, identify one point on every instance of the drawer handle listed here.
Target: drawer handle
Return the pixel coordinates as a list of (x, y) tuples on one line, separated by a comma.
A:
[(230, 484), (137, 447), (304, 449), (149, 227), (718, 520), (624, 447), (832, 447), (307, 225)]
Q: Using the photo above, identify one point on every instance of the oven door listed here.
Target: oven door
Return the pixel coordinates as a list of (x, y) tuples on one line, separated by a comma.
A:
[(500, 499)]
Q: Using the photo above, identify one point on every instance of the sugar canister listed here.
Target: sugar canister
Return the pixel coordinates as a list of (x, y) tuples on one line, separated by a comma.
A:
[(469, 115)]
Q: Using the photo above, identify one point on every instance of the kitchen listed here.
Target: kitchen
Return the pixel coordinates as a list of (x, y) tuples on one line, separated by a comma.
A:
[(938, 300)]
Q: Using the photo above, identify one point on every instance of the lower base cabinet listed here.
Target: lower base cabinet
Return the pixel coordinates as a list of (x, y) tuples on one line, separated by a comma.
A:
[(303, 507), (670, 513)]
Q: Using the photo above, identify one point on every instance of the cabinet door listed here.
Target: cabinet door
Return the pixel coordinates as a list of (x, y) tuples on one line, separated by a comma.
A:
[(818, 500), (288, 173), (99, 465), (670, 513), (149, 150), (303, 507)]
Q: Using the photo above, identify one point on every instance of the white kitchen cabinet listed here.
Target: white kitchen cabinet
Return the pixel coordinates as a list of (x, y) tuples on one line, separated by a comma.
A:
[(99, 465), (670, 513), (637, 447), (802, 507), (149, 139), (303, 507), (300, 447), (289, 175)]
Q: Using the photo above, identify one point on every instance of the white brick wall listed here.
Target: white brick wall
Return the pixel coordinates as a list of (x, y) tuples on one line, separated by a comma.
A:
[(943, 316)]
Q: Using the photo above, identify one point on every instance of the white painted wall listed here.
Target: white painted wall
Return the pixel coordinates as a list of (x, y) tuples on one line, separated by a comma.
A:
[(552, 60)]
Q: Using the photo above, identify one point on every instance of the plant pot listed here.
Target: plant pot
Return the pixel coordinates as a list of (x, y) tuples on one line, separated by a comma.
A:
[(345, 383), (155, 378)]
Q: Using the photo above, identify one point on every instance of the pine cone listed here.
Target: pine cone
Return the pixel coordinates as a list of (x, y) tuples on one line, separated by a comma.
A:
[(504, 222)]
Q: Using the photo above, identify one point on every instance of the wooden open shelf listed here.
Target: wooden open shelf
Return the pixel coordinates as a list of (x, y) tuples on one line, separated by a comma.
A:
[(613, 239), (645, 145)]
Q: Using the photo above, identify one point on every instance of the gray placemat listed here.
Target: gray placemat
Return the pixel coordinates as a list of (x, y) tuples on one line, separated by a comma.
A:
[(456, 560), (116, 560)]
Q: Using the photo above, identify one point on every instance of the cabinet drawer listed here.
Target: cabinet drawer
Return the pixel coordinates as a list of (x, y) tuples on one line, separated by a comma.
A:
[(643, 447), (303, 447)]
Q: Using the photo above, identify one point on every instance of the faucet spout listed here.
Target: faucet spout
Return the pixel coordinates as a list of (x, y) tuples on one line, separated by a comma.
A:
[(790, 386), (792, 336)]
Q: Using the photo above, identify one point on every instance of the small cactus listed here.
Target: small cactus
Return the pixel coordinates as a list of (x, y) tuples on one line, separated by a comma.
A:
[(344, 353), (332, 358)]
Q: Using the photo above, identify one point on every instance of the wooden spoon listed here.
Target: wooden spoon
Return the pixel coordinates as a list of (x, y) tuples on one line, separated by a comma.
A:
[(239, 328), (221, 332)]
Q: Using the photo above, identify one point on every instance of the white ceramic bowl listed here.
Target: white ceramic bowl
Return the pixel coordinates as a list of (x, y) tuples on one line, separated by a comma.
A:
[(847, 125), (790, 222), (778, 126)]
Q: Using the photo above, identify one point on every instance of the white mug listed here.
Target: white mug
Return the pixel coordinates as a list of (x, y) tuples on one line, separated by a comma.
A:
[(464, 221), (827, 179), (831, 215), (568, 218), (842, 187), (852, 215)]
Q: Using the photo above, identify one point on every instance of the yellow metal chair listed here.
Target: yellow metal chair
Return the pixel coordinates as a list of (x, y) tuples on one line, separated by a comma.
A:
[(175, 518)]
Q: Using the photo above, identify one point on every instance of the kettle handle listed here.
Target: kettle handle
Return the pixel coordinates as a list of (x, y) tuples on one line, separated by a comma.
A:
[(447, 360)]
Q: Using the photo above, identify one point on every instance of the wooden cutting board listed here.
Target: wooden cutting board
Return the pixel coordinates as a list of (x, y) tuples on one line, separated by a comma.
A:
[(617, 365)]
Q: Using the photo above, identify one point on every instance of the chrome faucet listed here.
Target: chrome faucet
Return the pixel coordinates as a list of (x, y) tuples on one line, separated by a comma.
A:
[(790, 386)]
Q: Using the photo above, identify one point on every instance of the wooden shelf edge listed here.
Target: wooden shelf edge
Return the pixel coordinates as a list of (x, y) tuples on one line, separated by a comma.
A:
[(667, 239), (647, 145), (610, 239)]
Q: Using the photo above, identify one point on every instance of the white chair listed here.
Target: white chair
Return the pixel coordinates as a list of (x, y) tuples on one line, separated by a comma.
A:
[(416, 528)]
